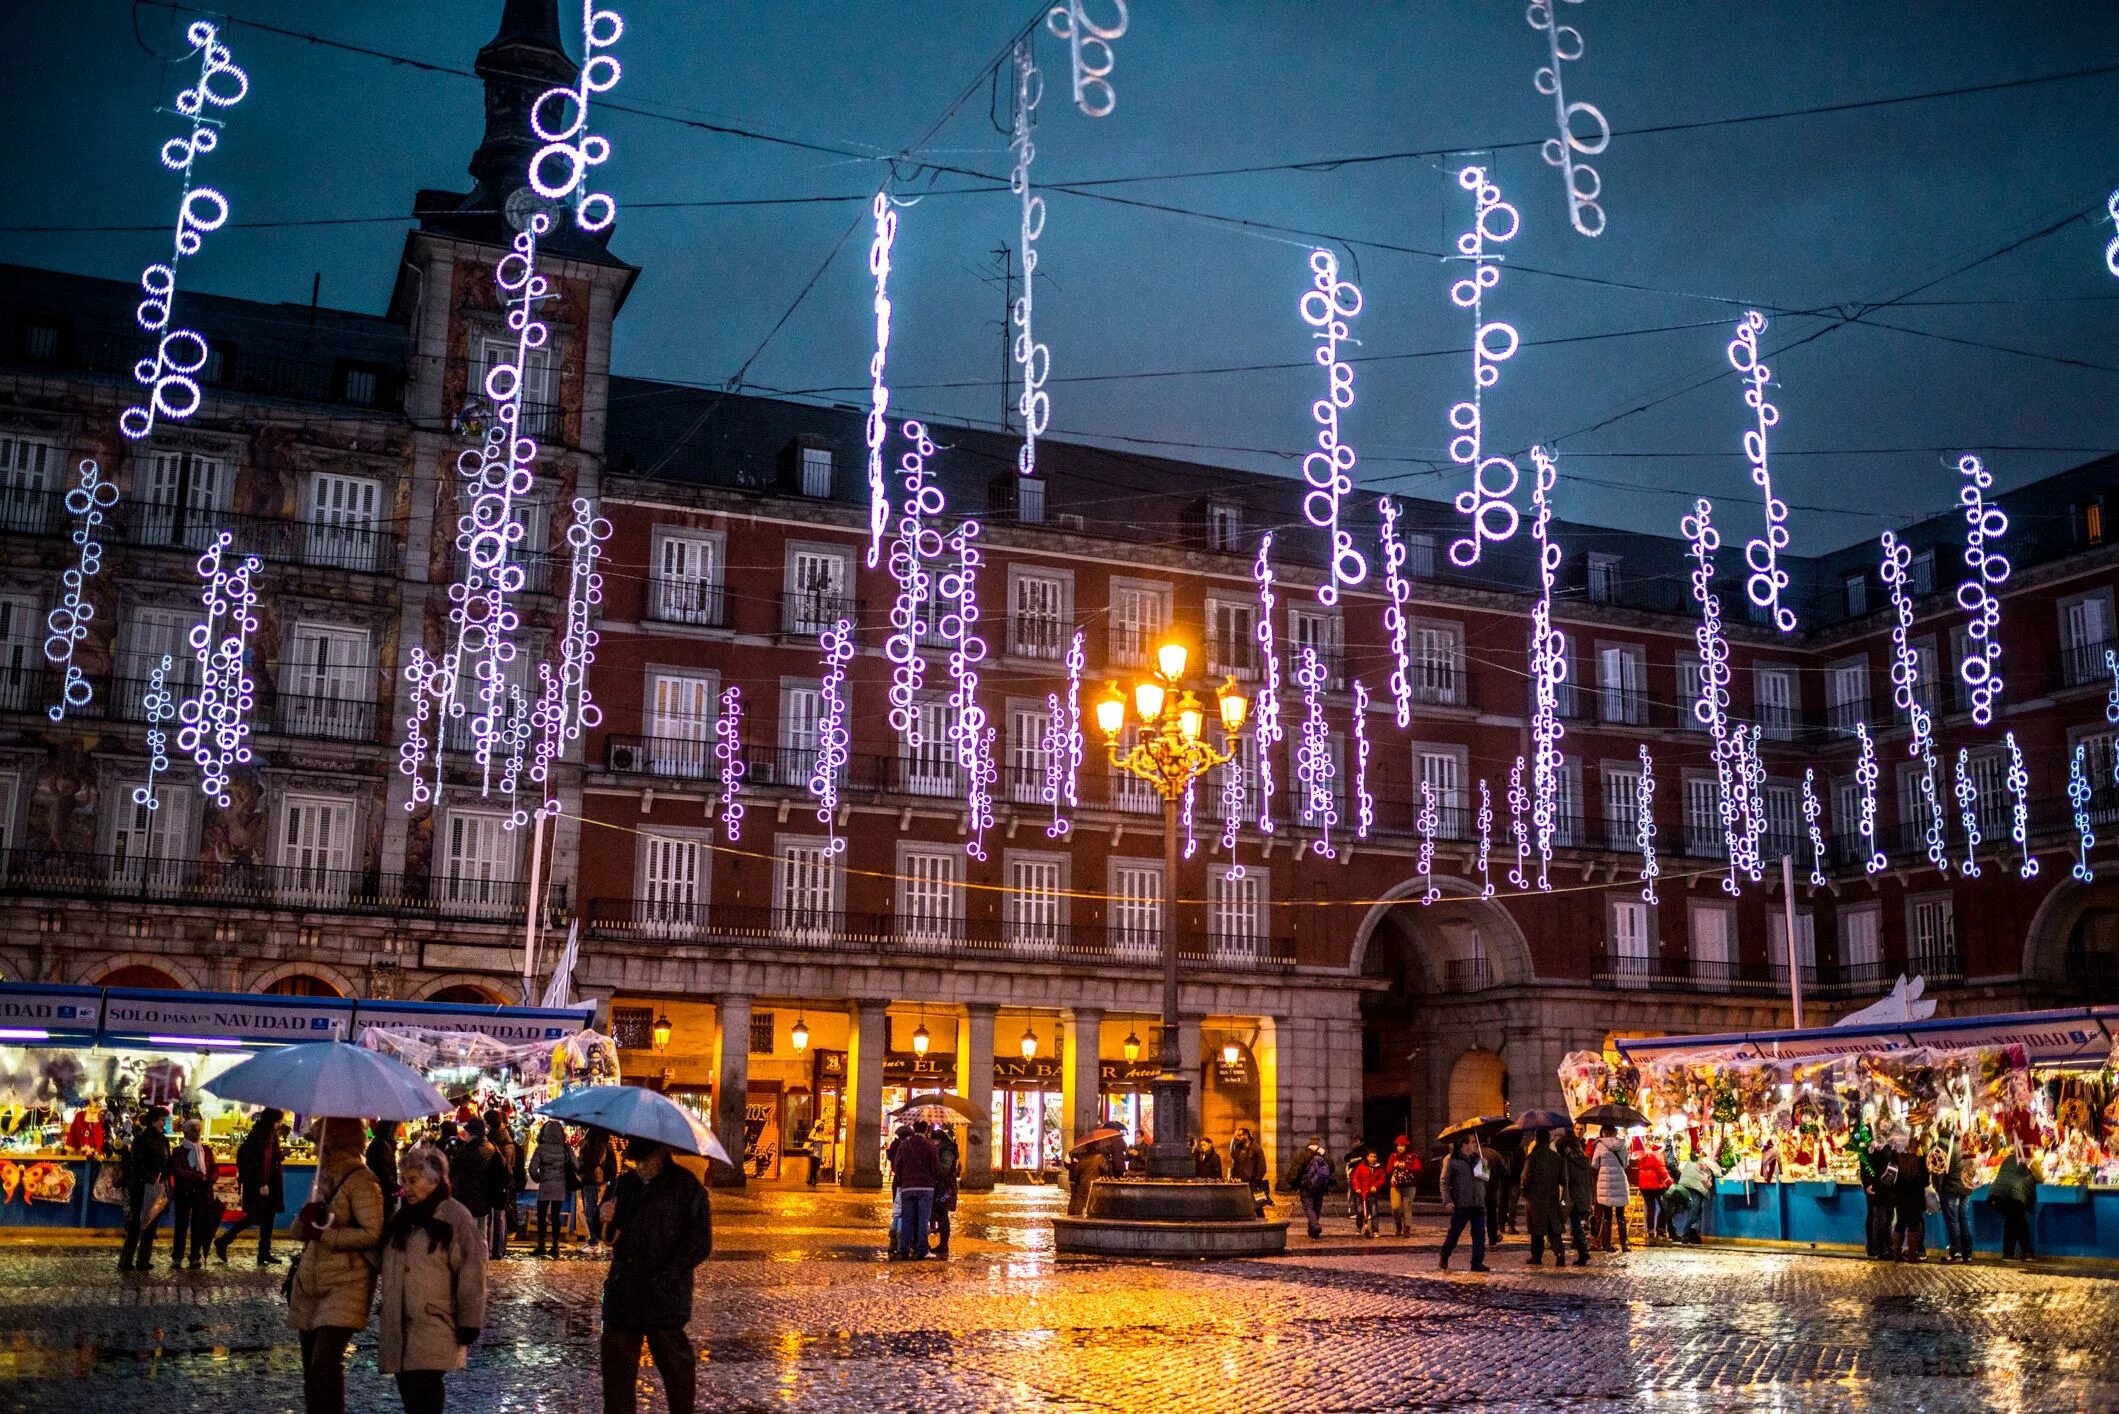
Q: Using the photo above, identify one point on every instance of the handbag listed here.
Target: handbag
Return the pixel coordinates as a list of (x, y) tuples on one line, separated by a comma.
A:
[(154, 1201)]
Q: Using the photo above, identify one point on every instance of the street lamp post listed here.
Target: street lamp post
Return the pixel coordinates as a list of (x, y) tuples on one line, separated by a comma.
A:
[(1171, 754)]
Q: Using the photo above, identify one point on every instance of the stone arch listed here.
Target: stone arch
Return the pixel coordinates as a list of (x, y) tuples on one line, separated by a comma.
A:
[(16, 967), (130, 969), (2069, 909), (323, 974), (1478, 1084), (461, 987), (1506, 948)]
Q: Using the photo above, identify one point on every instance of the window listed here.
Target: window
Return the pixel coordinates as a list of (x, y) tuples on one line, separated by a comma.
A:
[(681, 714), (1232, 638), (26, 499), (1805, 940), (1236, 911), (1961, 648), (316, 837), (1136, 908), (671, 871), (805, 890), (801, 708), (1030, 500), (1323, 633), (1027, 756), (1703, 818), (1931, 935), (179, 493), (1437, 651), (540, 410), (152, 848), (1311, 813), (327, 686), (20, 659), (153, 633), (1774, 688), (1603, 579), (360, 387), (1128, 791), (1567, 803), (10, 791), (1856, 589), (1712, 929), (2100, 763), (1859, 955), (1622, 807), (931, 765), (1040, 618), (1036, 901), (1847, 693), (1785, 831), (816, 472), (2085, 636), (1846, 815), (929, 897), (1689, 676), (1443, 770), (633, 1027), (40, 340), (1990, 791), (687, 583), (1243, 759), (345, 518), (1622, 689), (1139, 615), (1632, 947), (1920, 579), (761, 1033), (1224, 527), (478, 863), (817, 595), (1420, 555)]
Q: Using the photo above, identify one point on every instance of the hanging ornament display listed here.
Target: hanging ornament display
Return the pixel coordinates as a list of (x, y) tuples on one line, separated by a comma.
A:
[(1313, 761), (1811, 813), (968, 729), (1033, 359), (1232, 809), (158, 708), (1063, 760), (1487, 502), (560, 118), (1711, 708), (912, 603), (1486, 840), (1548, 670), (2020, 807), (427, 681), (216, 718), (564, 707), (171, 373), (1968, 813), (2111, 701), (1089, 47), (1644, 824), (1747, 774), (1866, 775), (2111, 247), (2078, 795), (514, 755), (1428, 892), (1329, 471), (878, 424), (1364, 803), (1267, 730), (1981, 665), (1563, 45), (728, 755), (1395, 621), (1518, 804), (1767, 580), (67, 624), (833, 737), (1187, 813), (1895, 570)]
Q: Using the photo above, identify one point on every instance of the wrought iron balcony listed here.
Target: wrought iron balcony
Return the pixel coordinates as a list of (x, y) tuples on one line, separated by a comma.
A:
[(687, 601), (36, 873)]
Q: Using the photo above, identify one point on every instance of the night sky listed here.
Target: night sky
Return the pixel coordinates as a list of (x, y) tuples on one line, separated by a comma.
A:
[(1833, 212)]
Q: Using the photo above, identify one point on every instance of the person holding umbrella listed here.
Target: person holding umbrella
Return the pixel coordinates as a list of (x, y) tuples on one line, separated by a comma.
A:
[(333, 1284), (433, 1283), (661, 1228)]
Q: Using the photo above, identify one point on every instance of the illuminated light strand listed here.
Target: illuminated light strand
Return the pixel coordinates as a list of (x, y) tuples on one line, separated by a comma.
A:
[(1895, 570), (1866, 775), (916, 546), (1967, 813), (728, 753), (1052, 745), (216, 718), (158, 707), (2020, 807), (1077, 658), (1767, 579), (1329, 471), (1364, 803), (1268, 730), (67, 624), (2111, 247), (1493, 344), (833, 737), (565, 707), (1564, 45), (1518, 803), (878, 424), (1548, 668), (1232, 808), (1032, 357), (2078, 794), (1428, 893), (1981, 668), (1395, 619), (1644, 824), (515, 745), (968, 729), (1711, 707), (171, 374), (560, 119), (1486, 840), (419, 757), (2111, 701), (1089, 46), (1190, 816), (1748, 773), (1313, 756), (1812, 810)]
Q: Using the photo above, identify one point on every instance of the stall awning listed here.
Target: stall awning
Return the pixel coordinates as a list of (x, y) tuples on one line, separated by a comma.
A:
[(511, 1025), (2082, 1035), (30, 1013), (57, 1015)]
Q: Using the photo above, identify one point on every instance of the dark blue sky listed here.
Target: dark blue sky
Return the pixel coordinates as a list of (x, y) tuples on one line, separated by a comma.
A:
[(1842, 209)]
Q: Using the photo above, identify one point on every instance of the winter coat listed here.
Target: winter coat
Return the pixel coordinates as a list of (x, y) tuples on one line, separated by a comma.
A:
[(952, 1167), (1545, 1188), (1087, 1169), (1206, 1163), (193, 1169), (147, 1158), (1697, 1177), (2015, 1184), (382, 1162), (1313, 1171), (548, 1166), (1366, 1178), (1912, 1193), (1655, 1174), (478, 1177), (1610, 1164), (1461, 1185), (598, 1161), (259, 1169), (918, 1163), (665, 1229), (334, 1282), (1582, 1181), (1401, 1168), (428, 1292), (1247, 1161)]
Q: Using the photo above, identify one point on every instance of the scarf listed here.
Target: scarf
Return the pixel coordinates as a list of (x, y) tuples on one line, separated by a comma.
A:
[(421, 1216)]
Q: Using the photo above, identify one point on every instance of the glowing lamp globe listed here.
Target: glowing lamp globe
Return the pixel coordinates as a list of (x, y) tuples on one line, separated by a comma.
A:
[(1148, 699), (800, 1035), (1131, 1046), (1234, 705), (661, 1031), (1111, 712), (1029, 1044), (920, 1040), (1191, 717), (1230, 1053), (1170, 659)]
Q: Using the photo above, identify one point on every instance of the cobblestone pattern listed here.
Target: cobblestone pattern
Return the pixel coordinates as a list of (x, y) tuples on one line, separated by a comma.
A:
[(798, 1311)]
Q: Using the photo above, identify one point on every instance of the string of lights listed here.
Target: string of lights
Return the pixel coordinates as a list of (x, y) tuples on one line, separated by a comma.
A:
[(1313, 758), (1548, 666), (1326, 307), (1967, 813), (1989, 570), (1485, 503), (1768, 580), (1564, 45), (1267, 730), (1033, 360), (216, 718), (1644, 824), (833, 737), (1486, 840), (67, 624), (1364, 803), (2020, 807), (728, 753), (1089, 47)]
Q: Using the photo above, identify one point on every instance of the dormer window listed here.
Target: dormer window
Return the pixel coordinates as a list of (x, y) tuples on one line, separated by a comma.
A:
[(1224, 527), (1603, 579), (1856, 588), (40, 341), (1029, 500), (815, 472)]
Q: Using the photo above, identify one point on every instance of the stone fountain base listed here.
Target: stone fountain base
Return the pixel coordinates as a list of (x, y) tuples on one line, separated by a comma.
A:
[(1170, 1217)]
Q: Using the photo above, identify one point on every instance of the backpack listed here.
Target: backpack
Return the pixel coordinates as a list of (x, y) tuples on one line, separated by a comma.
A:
[(1316, 1173)]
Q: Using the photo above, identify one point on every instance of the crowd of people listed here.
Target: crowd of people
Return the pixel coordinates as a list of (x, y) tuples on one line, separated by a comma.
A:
[(1903, 1184)]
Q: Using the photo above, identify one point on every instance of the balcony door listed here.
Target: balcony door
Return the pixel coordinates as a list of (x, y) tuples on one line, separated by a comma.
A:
[(681, 717), (316, 840), (478, 867), (327, 687), (179, 499), (345, 519), (670, 900), (19, 657), (1137, 910), (150, 845)]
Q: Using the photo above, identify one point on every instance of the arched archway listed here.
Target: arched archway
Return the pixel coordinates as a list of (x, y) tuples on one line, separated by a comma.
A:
[(1460, 927), (141, 970), (2073, 940), (1478, 1084), (303, 979), (302, 984), (461, 991)]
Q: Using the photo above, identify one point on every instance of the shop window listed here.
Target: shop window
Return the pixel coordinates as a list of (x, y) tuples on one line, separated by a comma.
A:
[(633, 1027)]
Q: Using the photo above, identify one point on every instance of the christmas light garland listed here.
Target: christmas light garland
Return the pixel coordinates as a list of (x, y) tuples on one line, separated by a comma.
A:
[(2078, 794), (2111, 247), (560, 119), (1967, 813), (419, 757), (1762, 553), (916, 547), (2020, 807), (968, 729), (1866, 775), (1032, 357), (728, 754), (1486, 503), (1811, 813), (1548, 669), (1395, 621), (1905, 691), (1518, 803), (1711, 707), (1267, 728), (878, 424), (2111, 701), (1747, 773), (1232, 808), (158, 707), (1089, 46), (1313, 758), (1428, 893), (833, 737), (216, 718), (1326, 307), (1981, 667), (1564, 45), (67, 624), (565, 707), (1644, 823), (1189, 815), (1364, 803), (1486, 840)]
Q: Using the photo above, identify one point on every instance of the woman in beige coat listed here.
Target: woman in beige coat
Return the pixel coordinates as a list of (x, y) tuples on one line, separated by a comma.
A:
[(333, 1286), (434, 1283)]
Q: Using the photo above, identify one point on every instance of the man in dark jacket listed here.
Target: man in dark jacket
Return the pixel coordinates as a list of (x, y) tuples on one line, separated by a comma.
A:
[(1909, 1237), (950, 1170), (916, 1168), (146, 1167), (382, 1162), (660, 1228), (478, 1177), (1879, 1186), (1465, 1192), (1311, 1179), (598, 1163), (1581, 1194), (1247, 1164), (258, 1170), (1545, 1199)]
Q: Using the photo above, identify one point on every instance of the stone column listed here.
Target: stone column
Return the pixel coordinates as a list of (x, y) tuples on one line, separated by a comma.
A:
[(974, 1081), (868, 1037), (1081, 1075), (731, 1082), (1188, 1063)]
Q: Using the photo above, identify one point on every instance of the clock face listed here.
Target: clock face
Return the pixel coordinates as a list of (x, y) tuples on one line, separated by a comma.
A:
[(524, 203)]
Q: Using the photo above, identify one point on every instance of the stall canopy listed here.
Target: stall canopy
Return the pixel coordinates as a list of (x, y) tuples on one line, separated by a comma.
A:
[(55, 1015), (2080, 1035)]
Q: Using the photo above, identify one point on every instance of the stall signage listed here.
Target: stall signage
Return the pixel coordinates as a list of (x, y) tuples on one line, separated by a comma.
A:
[(903, 1069), (1016, 1068), (1128, 1072), (231, 1017), (54, 1009), (514, 1026)]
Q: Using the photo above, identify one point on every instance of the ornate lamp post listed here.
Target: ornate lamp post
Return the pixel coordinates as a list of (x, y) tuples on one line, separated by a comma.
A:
[(1171, 753)]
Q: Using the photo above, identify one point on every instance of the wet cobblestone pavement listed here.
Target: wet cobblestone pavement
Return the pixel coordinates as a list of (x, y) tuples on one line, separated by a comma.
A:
[(798, 1311)]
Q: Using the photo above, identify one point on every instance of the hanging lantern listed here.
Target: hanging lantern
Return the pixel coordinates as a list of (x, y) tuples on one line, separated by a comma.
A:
[(1029, 1044), (1231, 1053), (800, 1035), (920, 1040), (661, 1031), (1131, 1046)]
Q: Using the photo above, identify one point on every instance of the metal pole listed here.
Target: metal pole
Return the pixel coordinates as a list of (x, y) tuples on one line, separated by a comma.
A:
[(531, 910), (1795, 971), (1171, 1154)]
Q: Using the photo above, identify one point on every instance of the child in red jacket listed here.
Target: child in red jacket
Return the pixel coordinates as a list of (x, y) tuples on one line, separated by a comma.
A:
[(1366, 1179)]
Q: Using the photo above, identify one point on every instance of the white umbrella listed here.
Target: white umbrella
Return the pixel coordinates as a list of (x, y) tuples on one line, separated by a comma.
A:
[(332, 1079), (638, 1113)]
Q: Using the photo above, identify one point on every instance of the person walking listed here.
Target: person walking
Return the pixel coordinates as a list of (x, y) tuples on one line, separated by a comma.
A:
[(598, 1163), (1946, 1164), (514, 1167), (1464, 1189), (333, 1284), (382, 1161), (1581, 1194), (1655, 1187), (1544, 1199), (1609, 1161), (1878, 1166), (1365, 1182), (1206, 1159), (259, 1170), (194, 1213), (1085, 1169), (552, 1170), (660, 1228), (145, 1175), (950, 1170), (2013, 1194), (433, 1283), (1909, 1238), (479, 1178), (1401, 1175), (818, 1137), (1311, 1179), (918, 1168), (1247, 1164), (1502, 1190)]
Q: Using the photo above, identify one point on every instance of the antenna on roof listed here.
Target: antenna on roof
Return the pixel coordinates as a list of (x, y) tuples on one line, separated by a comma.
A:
[(1006, 253), (316, 289)]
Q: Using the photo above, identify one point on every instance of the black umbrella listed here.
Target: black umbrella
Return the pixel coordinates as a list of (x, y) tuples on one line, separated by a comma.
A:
[(1532, 1120), (1482, 1125), (1612, 1113)]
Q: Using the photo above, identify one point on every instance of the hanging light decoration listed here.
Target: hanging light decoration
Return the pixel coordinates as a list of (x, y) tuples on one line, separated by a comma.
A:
[(1267, 731), (1052, 750), (1968, 813), (565, 708), (2020, 807), (1364, 803), (2111, 247), (1486, 503), (1518, 803), (1089, 45), (1313, 760), (560, 118), (1767, 580), (2078, 795), (1072, 743), (2111, 701), (1187, 812), (1811, 812), (921, 1040), (419, 757), (1711, 708), (1395, 621), (799, 1036), (1548, 669), (916, 547), (1233, 804), (1028, 1043), (1747, 776), (1644, 824), (1329, 471), (1428, 892), (216, 718), (514, 753), (1564, 45), (1866, 775), (728, 754), (832, 734), (1905, 691), (968, 729), (1981, 665), (1486, 840), (1130, 1047), (1031, 357), (878, 424), (67, 624), (158, 708)]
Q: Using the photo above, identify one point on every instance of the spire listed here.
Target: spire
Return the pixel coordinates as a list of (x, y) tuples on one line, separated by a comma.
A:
[(524, 59)]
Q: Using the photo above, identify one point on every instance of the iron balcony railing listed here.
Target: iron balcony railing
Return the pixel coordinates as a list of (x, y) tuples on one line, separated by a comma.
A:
[(1036, 637), (1466, 974), (1691, 974), (1237, 658), (687, 601), (364, 547), (328, 718), (806, 614), (2084, 663), (36, 873)]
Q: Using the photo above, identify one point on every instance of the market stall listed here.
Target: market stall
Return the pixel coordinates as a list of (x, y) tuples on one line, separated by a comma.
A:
[(1785, 1116)]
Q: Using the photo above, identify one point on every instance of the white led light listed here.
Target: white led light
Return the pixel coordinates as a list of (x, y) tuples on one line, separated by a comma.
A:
[(216, 719), (1866, 775), (912, 605), (1364, 803), (1428, 893), (2078, 795), (1711, 708), (1486, 840), (1968, 813), (560, 119), (1747, 777), (1548, 670), (1518, 803), (1486, 503), (2020, 807), (1767, 580), (564, 707), (1981, 665), (67, 624), (419, 758), (1188, 814), (968, 729), (1564, 46), (2111, 700), (1329, 471), (833, 737), (878, 425), (1313, 756), (1394, 615), (1089, 45), (1266, 720), (2111, 247), (158, 706), (1063, 752), (1032, 358), (728, 754), (1644, 825), (1811, 811), (1905, 691)]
